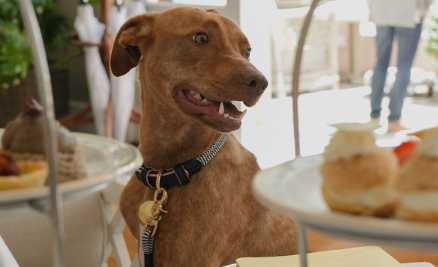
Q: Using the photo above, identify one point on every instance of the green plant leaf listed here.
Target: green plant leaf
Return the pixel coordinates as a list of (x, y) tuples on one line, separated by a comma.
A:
[(15, 52)]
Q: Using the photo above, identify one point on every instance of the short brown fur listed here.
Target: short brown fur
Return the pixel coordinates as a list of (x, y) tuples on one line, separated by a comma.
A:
[(214, 219)]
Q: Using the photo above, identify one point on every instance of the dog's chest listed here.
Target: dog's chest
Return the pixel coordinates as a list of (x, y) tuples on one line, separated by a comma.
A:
[(200, 213)]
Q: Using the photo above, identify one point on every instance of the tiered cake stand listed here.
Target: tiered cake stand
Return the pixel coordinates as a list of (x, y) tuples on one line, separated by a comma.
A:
[(104, 158), (294, 189)]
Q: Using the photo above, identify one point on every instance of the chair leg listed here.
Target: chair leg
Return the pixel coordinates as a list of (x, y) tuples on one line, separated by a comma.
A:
[(135, 261), (115, 226)]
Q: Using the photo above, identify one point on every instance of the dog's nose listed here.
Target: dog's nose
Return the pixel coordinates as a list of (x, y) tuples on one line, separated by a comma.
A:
[(255, 80)]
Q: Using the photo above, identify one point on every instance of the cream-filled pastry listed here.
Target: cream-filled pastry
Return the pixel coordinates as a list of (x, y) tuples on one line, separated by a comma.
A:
[(358, 176), (417, 182)]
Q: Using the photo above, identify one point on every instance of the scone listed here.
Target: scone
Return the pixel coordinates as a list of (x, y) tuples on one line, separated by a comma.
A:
[(417, 181), (21, 174), (24, 139), (358, 176)]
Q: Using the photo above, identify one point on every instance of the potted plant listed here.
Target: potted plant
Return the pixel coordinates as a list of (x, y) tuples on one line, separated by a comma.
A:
[(432, 42), (17, 80)]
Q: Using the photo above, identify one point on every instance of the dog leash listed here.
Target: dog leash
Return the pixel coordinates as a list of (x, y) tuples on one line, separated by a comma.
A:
[(150, 212)]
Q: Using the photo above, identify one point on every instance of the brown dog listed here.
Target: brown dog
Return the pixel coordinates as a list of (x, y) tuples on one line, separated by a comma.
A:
[(214, 219)]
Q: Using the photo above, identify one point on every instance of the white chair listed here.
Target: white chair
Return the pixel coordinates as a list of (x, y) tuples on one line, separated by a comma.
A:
[(115, 225)]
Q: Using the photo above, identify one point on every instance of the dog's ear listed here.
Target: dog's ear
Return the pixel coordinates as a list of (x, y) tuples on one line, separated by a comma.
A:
[(126, 51)]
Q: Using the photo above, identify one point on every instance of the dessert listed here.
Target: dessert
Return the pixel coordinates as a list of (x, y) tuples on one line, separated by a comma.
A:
[(24, 139), (358, 176), (7, 165), (21, 174), (417, 181)]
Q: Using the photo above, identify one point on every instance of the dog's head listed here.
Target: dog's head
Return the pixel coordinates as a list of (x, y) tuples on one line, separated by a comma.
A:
[(195, 60)]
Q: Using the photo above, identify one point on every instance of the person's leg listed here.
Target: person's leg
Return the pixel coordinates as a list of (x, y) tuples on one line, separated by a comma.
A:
[(384, 40), (407, 47)]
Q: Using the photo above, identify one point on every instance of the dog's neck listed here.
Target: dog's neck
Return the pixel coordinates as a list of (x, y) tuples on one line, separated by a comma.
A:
[(164, 144)]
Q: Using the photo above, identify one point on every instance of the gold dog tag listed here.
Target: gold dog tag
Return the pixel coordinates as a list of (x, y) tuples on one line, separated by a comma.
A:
[(145, 211)]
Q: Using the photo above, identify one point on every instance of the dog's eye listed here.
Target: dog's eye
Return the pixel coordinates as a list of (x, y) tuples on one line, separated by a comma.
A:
[(248, 53), (200, 38)]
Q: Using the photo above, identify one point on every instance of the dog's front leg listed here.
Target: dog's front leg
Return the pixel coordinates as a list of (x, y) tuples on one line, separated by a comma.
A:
[(132, 196)]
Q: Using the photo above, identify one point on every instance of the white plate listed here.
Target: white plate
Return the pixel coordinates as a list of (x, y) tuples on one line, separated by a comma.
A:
[(294, 189), (104, 159)]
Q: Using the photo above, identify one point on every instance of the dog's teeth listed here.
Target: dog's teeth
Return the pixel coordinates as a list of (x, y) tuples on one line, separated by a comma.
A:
[(221, 108), (238, 105), (198, 96), (205, 101), (193, 92), (243, 113), (236, 119), (226, 115)]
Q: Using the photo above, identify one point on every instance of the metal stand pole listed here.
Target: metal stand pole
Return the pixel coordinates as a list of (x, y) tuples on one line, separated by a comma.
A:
[(296, 75), (302, 244), (45, 92)]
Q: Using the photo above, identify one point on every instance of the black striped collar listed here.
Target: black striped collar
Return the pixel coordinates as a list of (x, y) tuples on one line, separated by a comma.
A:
[(181, 173)]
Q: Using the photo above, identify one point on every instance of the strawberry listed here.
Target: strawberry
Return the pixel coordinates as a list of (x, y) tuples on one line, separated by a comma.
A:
[(406, 151), (7, 165)]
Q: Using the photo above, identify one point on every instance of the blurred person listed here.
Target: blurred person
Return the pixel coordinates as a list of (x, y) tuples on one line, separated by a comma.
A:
[(400, 20)]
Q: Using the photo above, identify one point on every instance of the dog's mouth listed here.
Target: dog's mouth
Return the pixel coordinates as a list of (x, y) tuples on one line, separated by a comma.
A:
[(222, 114)]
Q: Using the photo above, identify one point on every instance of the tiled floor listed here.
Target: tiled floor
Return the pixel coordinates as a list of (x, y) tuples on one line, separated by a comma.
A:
[(273, 141)]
